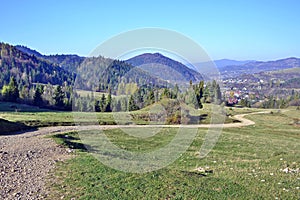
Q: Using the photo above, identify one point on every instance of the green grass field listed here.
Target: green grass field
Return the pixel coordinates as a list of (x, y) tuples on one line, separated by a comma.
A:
[(246, 164), (36, 117)]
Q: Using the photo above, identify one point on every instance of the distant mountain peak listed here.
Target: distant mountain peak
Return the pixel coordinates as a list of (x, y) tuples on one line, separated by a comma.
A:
[(165, 68)]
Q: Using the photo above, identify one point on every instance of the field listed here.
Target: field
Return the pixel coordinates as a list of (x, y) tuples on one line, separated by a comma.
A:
[(250, 162), (31, 116), (246, 163)]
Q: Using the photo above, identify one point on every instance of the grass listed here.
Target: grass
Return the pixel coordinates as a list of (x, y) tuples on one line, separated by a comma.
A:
[(35, 117), (16, 107), (236, 111), (85, 93), (246, 164)]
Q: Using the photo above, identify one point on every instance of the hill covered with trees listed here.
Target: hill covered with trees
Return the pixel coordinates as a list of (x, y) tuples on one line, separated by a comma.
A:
[(68, 62), (55, 82), (165, 68), (29, 69)]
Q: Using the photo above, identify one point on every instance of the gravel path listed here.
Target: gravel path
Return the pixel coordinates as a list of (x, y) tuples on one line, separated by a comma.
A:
[(27, 158)]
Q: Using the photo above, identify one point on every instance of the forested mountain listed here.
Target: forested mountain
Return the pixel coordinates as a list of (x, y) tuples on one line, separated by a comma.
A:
[(28, 69), (98, 72), (108, 73), (68, 62), (165, 68)]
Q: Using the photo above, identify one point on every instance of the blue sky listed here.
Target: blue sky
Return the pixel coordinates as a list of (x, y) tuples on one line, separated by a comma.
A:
[(257, 29)]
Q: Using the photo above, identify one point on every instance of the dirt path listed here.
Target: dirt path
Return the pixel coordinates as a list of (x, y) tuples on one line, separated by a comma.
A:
[(27, 158)]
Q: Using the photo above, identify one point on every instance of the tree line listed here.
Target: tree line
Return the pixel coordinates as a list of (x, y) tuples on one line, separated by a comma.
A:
[(130, 99)]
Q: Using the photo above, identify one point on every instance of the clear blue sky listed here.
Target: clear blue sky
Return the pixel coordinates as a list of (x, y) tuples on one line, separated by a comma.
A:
[(257, 29)]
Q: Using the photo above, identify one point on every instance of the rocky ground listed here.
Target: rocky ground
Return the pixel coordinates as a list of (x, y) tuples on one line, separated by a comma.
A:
[(26, 160)]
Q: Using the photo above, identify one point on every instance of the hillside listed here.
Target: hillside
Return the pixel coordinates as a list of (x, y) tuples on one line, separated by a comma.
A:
[(259, 66), (110, 73), (165, 68), (94, 71), (68, 62), (289, 78), (223, 63), (29, 69)]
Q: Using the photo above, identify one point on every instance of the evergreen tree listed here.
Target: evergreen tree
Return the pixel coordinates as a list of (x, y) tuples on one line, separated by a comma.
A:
[(97, 106), (151, 97), (102, 103), (131, 104), (191, 98), (199, 90), (218, 94), (37, 98), (59, 97), (175, 91), (206, 93), (10, 92), (108, 103)]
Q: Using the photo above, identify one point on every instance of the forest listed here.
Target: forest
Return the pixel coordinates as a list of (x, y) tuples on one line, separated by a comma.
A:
[(57, 82), (110, 85)]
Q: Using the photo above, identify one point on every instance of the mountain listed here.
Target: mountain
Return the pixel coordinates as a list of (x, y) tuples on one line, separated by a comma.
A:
[(223, 63), (94, 71), (29, 51), (259, 66), (165, 68), (289, 78), (109, 73), (68, 62), (29, 69)]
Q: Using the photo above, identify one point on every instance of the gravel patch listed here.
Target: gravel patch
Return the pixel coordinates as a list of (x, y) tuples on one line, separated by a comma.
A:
[(26, 160)]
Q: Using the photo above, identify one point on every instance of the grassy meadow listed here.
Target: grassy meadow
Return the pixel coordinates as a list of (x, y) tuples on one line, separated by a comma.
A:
[(246, 163), (23, 116)]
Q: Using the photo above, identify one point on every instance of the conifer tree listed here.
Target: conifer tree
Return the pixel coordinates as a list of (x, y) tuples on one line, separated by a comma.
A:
[(59, 97), (37, 98), (10, 92)]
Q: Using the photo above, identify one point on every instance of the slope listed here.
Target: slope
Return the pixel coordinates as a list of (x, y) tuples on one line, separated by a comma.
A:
[(165, 68), (29, 69)]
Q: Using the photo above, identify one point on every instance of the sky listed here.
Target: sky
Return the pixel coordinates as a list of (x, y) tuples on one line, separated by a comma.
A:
[(240, 30)]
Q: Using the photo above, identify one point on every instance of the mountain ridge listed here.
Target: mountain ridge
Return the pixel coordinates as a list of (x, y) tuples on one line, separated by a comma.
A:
[(227, 67), (69, 62), (30, 69), (260, 66), (165, 68), (92, 71)]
